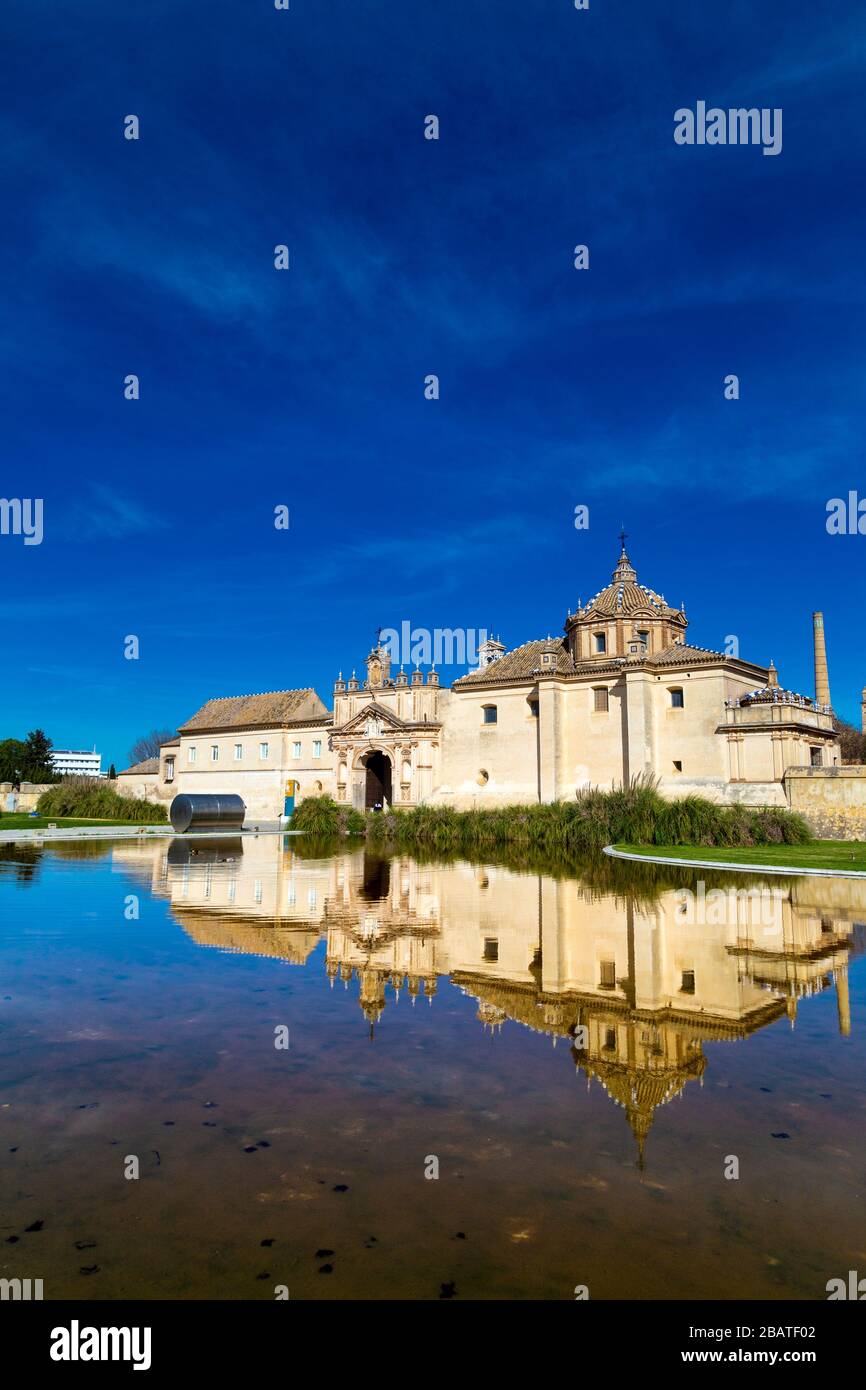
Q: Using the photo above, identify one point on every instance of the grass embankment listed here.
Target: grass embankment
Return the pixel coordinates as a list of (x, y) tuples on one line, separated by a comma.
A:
[(822, 854), (22, 821), (634, 814)]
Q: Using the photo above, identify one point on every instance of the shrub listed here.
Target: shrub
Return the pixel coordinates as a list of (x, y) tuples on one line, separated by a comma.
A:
[(323, 818), (632, 814), (91, 798)]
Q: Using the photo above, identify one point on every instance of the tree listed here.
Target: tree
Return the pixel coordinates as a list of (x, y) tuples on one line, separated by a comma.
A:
[(851, 742), (112, 773), (13, 756), (148, 745), (37, 758)]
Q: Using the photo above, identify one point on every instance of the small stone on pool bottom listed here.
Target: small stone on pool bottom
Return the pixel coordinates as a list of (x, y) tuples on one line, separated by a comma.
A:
[(326, 1269), (780, 1135), (448, 1290), (341, 1187), (269, 1241), (323, 1254)]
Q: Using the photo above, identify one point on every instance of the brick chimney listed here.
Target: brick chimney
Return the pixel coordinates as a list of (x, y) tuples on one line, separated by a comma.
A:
[(822, 677)]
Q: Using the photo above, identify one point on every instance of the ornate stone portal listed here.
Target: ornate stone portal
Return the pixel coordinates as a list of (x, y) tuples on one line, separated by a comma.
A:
[(387, 735)]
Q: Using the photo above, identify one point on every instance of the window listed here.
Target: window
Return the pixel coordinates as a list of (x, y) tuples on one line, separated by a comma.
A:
[(296, 749), (677, 701), (533, 709), (600, 642), (815, 757), (169, 769), (688, 984), (678, 766), (215, 753), (489, 714), (643, 637), (190, 753), (263, 750), (491, 948), (483, 777), (609, 1039), (317, 748), (239, 752), (607, 974), (257, 890), (601, 699)]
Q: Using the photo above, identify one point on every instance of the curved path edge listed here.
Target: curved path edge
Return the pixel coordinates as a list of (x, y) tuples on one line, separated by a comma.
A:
[(725, 864)]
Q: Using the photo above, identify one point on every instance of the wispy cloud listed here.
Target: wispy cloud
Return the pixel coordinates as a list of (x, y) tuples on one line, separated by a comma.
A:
[(105, 514)]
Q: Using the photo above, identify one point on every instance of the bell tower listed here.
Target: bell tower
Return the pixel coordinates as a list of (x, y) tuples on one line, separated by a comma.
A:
[(378, 664)]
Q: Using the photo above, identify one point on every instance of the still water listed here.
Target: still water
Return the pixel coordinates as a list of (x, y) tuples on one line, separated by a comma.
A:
[(582, 1060)]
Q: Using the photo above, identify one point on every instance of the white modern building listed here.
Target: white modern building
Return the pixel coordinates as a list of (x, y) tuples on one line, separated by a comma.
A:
[(76, 762)]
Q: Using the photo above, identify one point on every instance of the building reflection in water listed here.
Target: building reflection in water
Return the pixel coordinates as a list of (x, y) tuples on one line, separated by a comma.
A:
[(633, 987)]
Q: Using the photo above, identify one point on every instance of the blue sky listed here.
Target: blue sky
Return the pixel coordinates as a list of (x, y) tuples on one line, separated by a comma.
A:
[(408, 257)]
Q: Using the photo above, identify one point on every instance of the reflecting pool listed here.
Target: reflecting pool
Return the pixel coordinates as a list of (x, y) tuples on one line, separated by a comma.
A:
[(349, 1075)]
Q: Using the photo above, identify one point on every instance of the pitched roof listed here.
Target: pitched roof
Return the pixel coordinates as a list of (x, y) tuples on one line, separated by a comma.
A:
[(269, 709), (523, 662), (685, 654), (150, 765)]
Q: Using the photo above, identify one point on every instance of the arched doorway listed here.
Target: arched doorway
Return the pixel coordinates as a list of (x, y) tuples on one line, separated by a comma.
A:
[(378, 780)]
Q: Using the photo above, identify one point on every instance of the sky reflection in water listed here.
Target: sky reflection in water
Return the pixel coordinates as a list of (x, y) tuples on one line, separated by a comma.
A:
[(582, 1058)]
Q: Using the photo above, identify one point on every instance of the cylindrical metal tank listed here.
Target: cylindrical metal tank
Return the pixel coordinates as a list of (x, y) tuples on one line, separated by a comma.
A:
[(207, 813)]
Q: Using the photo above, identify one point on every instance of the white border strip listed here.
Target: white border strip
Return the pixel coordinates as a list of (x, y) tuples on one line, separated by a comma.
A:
[(725, 864)]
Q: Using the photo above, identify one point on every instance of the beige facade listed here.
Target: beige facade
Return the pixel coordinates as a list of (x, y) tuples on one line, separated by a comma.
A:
[(619, 694)]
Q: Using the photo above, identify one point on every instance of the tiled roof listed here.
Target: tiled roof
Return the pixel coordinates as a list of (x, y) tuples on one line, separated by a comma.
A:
[(684, 654), (522, 663), (269, 709), (150, 765)]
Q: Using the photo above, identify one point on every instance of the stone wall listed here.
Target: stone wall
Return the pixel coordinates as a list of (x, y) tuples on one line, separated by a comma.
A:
[(831, 799), (25, 798)]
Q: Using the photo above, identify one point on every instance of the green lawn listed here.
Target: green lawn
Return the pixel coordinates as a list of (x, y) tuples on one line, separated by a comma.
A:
[(14, 820), (822, 854)]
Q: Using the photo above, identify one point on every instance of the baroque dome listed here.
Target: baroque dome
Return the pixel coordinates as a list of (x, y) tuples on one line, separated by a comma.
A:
[(625, 619), (624, 596)]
